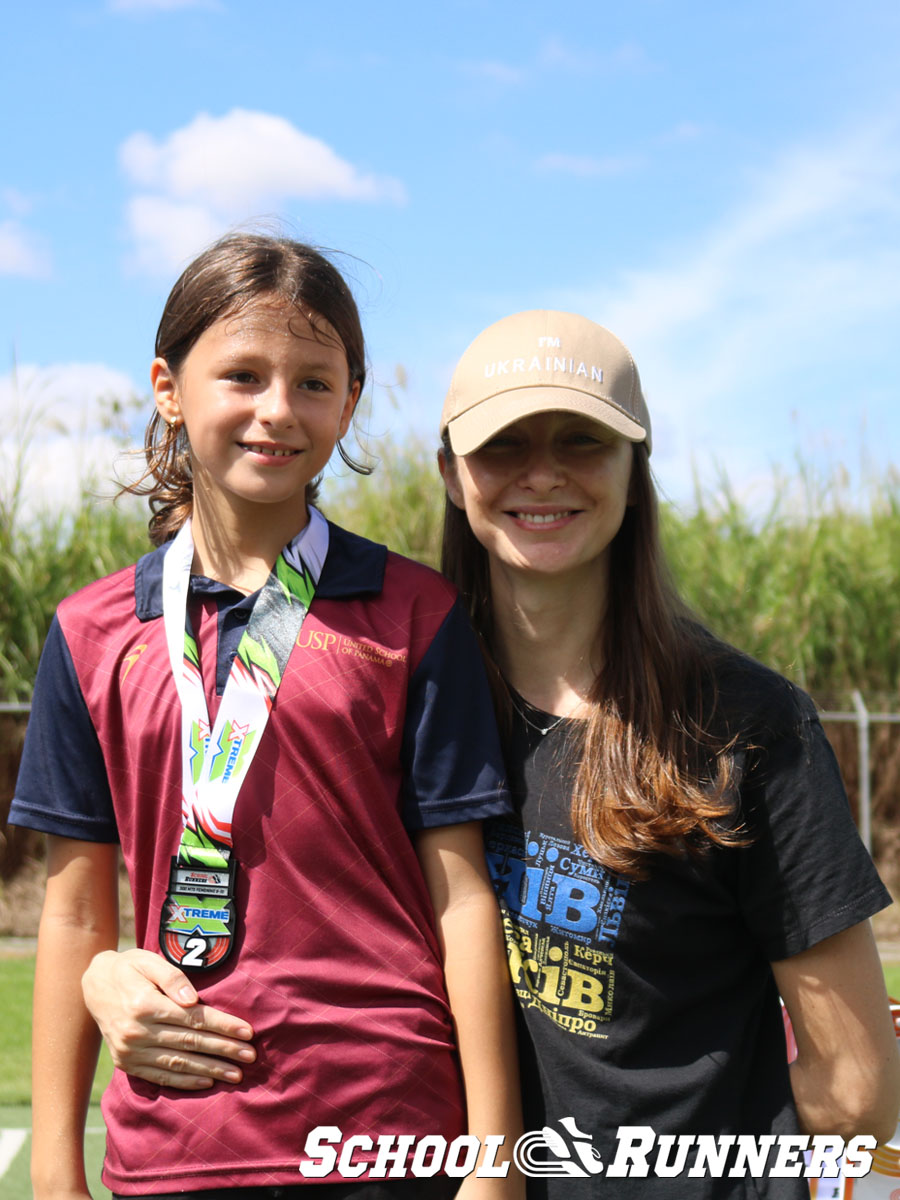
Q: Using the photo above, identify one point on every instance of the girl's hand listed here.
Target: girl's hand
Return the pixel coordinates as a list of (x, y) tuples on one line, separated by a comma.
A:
[(467, 921), (156, 1029)]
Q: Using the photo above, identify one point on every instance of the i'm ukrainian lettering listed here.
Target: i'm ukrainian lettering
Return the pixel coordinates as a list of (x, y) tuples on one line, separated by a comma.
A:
[(551, 363)]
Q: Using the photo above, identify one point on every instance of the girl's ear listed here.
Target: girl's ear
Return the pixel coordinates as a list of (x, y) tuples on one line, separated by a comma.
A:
[(349, 409), (165, 391), (450, 476)]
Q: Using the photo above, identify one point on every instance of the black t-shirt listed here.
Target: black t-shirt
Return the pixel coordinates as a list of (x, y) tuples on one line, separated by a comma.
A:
[(651, 1002)]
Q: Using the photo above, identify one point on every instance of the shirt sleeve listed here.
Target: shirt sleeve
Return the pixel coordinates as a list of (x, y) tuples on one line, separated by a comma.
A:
[(806, 874), (452, 763), (62, 787)]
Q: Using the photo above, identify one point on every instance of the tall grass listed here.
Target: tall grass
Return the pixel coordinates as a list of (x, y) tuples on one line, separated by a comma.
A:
[(46, 554), (45, 558), (400, 504), (810, 586)]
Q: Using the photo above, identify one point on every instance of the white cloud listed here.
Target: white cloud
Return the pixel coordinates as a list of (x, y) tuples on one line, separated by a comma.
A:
[(22, 252), (590, 166), (217, 172), (494, 71), (772, 309), (61, 426), (150, 6), (555, 55), (684, 131), (558, 55), (586, 166), (17, 202), (67, 398), (167, 233), (234, 162), (55, 474), (801, 236)]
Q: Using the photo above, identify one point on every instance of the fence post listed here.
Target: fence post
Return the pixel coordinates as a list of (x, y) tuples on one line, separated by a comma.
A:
[(865, 791)]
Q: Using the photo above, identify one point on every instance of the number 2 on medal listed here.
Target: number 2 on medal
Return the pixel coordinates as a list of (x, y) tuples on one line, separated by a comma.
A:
[(196, 952)]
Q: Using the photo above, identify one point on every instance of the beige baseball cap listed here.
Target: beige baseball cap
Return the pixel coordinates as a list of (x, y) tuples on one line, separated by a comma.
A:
[(540, 361)]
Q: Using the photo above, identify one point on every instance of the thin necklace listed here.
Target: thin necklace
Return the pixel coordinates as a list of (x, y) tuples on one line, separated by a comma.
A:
[(543, 730)]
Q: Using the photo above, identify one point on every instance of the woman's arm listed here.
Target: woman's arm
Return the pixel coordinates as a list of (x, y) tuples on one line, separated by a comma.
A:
[(80, 916), (156, 1029), (846, 1077), (479, 990)]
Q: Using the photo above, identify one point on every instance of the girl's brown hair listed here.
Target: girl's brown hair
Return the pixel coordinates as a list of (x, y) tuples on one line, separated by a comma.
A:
[(653, 777), (220, 282)]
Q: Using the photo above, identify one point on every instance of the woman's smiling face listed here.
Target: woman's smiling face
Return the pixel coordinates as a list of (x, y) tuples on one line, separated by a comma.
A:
[(546, 495)]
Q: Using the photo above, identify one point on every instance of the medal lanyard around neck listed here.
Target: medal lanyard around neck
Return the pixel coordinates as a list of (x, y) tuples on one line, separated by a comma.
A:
[(215, 762), (198, 922)]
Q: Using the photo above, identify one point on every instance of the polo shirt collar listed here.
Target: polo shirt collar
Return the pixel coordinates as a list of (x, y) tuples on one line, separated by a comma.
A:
[(354, 566)]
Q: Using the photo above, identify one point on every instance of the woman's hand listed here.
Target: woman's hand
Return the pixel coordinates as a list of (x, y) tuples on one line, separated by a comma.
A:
[(156, 1029)]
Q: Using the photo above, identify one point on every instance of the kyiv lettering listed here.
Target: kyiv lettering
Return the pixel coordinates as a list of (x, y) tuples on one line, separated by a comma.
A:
[(576, 904)]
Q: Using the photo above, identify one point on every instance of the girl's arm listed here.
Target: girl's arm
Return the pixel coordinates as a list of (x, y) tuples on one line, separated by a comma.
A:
[(846, 1077), (80, 916), (479, 990)]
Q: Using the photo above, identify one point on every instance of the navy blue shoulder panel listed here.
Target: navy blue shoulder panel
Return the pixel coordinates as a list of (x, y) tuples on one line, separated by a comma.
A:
[(453, 764), (148, 574), (354, 566), (62, 787)]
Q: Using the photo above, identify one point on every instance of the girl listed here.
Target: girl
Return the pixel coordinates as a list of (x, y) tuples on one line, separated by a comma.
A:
[(265, 714), (682, 849)]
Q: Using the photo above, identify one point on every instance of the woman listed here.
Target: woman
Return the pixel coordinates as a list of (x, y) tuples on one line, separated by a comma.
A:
[(683, 850)]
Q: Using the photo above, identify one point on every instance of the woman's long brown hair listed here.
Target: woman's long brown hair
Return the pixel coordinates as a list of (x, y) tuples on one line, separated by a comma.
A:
[(653, 777)]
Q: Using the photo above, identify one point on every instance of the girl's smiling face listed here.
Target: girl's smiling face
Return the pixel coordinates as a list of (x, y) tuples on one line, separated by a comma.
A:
[(546, 495), (264, 395)]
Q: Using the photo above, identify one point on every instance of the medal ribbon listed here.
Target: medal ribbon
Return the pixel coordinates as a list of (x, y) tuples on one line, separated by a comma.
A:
[(215, 761)]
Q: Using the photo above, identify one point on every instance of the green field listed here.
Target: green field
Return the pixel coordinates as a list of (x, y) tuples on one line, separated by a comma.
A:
[(16, 981), (15, 1183), (16, 976)]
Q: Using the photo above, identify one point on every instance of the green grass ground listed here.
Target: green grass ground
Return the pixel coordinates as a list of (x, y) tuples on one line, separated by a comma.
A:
[(16, 981), (15, 1183), (16, 977)]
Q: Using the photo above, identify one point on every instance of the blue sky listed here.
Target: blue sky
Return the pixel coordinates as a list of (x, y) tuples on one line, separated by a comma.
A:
[(717, 183)]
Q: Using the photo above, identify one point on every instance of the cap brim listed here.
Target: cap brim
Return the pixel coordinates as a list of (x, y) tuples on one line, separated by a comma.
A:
[(472, 428)]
